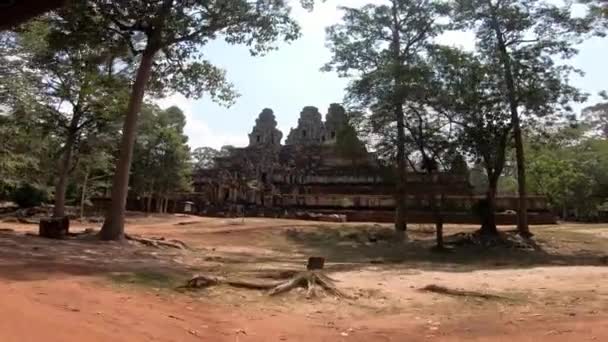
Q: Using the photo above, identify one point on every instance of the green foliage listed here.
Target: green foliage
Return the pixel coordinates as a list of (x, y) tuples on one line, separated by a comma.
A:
[(383, 47), (67, 77), (161, 163), (27, 195), (571, 173), (348, 144), (180, 29), (27, 152), (204, 158), (596, 117)]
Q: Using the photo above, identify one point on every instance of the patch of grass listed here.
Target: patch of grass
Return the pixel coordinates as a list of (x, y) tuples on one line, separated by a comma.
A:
[(153, 279)]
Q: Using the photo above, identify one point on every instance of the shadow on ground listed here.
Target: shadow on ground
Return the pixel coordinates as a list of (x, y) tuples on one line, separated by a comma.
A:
[(25, 258), (351, 248), (345, 247)]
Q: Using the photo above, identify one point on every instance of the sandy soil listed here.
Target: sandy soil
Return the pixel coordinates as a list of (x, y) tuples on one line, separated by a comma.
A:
[(77, 290)]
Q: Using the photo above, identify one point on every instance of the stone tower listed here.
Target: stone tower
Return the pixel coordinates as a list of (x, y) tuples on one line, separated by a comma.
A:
[(310, 130), (334, 121), (265, 131)]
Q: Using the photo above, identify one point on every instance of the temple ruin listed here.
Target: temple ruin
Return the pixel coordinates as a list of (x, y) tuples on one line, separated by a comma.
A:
[(310, 173)]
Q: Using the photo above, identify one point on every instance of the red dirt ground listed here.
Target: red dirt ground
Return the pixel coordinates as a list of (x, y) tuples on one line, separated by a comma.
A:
[(60, 291)]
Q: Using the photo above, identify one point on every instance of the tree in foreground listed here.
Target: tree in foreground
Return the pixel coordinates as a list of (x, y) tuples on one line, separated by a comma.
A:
[(473, 99), (380, 46), (524, 38), (67, 76), (168, 38)]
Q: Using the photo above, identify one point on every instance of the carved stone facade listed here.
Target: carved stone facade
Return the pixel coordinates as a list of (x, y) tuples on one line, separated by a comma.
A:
[(309, 173), (265, 131), (311, 130)]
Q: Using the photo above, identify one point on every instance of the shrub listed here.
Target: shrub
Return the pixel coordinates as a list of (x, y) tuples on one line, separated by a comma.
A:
[(27, 195)]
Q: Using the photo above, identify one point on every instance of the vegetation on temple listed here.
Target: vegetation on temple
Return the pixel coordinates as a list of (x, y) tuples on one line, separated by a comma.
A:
[(383, 45)]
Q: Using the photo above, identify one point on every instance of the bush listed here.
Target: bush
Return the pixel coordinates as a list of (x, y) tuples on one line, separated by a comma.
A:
[(27, 196), (6, 191)]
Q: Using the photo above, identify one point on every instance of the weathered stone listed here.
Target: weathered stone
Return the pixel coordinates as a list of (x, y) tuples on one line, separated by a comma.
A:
[(312, 174), (265, 131)]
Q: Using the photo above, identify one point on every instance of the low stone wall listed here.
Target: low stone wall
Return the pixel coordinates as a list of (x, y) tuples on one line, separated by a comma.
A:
[(537, 218)]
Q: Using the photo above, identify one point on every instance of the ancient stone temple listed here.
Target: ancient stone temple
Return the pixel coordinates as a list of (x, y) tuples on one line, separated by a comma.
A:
[(265, 131), (310, 173)]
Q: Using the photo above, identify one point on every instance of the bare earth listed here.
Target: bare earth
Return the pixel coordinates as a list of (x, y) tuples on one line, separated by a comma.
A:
[(80, 290)]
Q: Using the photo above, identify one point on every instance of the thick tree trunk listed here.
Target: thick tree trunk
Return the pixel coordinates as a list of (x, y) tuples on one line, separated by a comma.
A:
[(522, 212), (488, 212), (400, 195), (113, 227), (64, 168)]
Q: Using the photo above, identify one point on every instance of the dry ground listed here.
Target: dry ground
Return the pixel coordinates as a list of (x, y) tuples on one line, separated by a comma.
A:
[(77, 290)]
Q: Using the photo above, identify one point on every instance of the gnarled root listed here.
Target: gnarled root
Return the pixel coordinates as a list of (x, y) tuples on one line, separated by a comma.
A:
[(459, 293), (157, 243), (311, 280)]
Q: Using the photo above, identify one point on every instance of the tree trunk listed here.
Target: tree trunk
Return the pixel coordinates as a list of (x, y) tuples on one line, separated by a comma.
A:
[(149, 203), (113, 227), (159, 205), (522, 212), (487, 211), (437, 213), (400, 195), (64, 168), (83, 196)]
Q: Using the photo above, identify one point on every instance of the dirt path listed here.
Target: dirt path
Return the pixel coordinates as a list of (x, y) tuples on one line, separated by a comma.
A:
[(79, 309), (61, 291)]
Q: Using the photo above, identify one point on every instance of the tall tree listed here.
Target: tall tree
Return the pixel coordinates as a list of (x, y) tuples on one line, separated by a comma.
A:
[(472, 100), (161, 166), (472, 91), (73, 86), (168, 36), (204, 158), (596, 116), (520, 36), (381, 45)]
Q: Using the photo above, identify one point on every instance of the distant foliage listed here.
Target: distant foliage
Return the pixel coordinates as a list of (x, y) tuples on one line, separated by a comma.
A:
[(27, 195)]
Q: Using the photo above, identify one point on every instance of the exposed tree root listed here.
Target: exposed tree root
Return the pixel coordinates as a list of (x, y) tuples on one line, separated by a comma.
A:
[(459, 293), (204, 281), (157, 243), (502, 239), (311, 280)]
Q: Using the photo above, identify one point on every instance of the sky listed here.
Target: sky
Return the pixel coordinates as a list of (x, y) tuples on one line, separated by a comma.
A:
[(289, 79)]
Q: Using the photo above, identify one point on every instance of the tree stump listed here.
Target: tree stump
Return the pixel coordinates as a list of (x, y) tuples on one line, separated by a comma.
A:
[(54, 227), (315, 263)]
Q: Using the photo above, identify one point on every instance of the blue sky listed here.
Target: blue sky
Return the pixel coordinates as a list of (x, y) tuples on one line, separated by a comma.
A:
[(289, 79)]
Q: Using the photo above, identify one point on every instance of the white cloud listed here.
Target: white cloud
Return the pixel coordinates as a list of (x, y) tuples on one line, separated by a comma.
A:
[(198, 131)]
